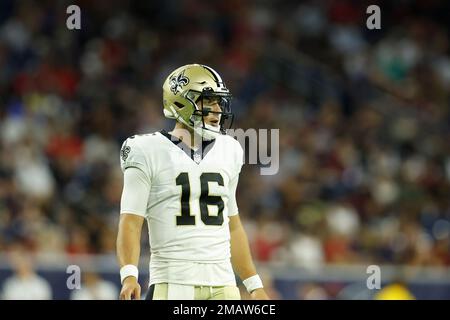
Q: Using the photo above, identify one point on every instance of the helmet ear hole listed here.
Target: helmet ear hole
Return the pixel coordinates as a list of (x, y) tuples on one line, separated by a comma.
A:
[(179, 105)]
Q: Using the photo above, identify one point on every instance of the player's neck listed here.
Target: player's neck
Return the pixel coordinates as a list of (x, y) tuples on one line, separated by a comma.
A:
[(186, 135)]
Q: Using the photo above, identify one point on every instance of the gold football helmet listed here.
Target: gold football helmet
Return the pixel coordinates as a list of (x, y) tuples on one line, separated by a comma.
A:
[(187, 86)]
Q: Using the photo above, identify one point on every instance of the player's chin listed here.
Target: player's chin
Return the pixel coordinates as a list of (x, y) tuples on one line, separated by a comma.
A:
[(214, 124)]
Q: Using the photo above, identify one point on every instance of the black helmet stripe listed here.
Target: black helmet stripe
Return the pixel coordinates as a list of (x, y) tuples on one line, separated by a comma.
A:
[(216, 76)]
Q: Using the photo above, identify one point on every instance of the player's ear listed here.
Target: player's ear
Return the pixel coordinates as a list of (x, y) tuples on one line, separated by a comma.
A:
[(199, 102)]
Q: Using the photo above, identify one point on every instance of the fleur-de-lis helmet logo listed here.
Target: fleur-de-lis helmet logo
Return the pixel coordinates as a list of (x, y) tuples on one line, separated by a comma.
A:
[(124, 152), (177, 82)]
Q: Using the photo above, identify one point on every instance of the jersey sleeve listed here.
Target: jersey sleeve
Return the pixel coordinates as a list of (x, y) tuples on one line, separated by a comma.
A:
[(136, 189), (239, 161), (232, 203), (136, 178), (239, 157), (132, 156)]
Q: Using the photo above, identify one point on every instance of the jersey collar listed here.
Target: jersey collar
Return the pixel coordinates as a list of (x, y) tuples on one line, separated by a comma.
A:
[(195, 155)]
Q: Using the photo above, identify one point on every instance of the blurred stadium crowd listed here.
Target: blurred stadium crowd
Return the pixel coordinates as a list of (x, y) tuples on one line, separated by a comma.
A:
[(364, 119)]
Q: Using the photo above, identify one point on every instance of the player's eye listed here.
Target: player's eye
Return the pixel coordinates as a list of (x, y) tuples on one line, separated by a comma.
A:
[(210, 101)]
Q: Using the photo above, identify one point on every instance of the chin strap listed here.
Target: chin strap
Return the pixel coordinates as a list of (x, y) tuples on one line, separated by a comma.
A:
[(207, 132)]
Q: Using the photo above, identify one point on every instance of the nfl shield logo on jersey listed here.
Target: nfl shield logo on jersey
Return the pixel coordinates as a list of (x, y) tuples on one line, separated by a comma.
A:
[(197, 157)]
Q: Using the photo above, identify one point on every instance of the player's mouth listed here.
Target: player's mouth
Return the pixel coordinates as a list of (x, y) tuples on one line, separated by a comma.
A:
[(214, 123)]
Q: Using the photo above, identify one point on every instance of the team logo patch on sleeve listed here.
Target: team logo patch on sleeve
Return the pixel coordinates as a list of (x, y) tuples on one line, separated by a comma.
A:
[(124, 152), (177, 82)]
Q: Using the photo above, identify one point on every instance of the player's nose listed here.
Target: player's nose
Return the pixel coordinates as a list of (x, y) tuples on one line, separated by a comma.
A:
[(215, 107), (214, 117)]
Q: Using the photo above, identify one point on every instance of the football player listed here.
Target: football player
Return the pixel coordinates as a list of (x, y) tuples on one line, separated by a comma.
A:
[(183, 183)]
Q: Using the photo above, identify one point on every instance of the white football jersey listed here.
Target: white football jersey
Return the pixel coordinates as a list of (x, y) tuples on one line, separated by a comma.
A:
[(191, 196)]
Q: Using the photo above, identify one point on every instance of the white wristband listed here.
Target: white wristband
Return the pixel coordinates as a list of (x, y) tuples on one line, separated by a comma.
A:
[(253, 283), (128, 271)]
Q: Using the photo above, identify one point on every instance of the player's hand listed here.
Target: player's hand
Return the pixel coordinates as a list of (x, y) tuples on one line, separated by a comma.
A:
[(131, 290), (259, 294)]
